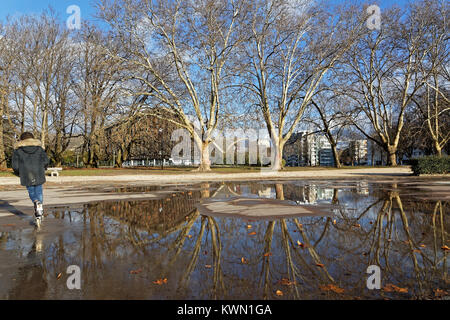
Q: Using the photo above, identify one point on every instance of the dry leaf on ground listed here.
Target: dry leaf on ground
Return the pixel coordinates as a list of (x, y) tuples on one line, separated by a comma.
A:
[(136, 271), (331, 287), (393, 288), (160, 281), (287, 282), (320, 265)]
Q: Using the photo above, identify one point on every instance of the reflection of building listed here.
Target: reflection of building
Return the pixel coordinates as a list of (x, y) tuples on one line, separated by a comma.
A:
[(267, 193), (308, 149), (362, 187), (313, 194), (358, 151)]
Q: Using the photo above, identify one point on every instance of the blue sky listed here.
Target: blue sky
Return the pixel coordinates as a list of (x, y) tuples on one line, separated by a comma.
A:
[(18, 7)]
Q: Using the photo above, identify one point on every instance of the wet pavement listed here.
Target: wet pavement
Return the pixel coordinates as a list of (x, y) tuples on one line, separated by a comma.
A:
[(237, 240)]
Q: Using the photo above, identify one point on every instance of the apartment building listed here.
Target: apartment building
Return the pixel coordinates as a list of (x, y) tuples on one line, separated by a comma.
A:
[(358, 152), (305, 148)]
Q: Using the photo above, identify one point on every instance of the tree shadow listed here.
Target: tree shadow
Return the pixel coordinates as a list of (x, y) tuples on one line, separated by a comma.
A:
[(6, 206)]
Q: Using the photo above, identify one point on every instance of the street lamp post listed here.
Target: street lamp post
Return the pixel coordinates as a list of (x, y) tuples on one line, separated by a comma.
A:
[(161, 150)]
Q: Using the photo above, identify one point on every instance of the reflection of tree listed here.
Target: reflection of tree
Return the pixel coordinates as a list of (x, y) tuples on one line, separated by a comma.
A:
[(31, 282), (3, 239), (389, 235), (213, 230), (265, 272), (439, 209), (296, 263)]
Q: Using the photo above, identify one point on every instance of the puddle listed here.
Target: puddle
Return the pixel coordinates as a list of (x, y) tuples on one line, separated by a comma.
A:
[(238, 240)]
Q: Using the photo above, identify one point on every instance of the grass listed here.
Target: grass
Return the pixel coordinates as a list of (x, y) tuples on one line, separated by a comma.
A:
[(175, 170)]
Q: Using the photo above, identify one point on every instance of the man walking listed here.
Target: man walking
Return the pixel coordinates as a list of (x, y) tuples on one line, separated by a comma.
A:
[(30, 161)]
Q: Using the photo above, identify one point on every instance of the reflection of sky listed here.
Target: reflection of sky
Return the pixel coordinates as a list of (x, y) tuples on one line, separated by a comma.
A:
[(109, 248)]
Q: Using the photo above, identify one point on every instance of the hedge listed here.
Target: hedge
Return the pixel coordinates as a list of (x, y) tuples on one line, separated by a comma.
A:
[(431, 165)]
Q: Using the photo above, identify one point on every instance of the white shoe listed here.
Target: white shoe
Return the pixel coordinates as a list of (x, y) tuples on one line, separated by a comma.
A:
[(38, 209)]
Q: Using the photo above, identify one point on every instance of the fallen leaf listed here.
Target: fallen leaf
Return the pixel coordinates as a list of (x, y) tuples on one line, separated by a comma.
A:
[(445, 248), (357, 225), (439, 293), (249, 226), (392, 287), (423, 246), (287, 282), (320, 265), (189, 236), (136, 271), (300, 244), (267, 254), (279, 293), (331, 287), (160, 281), (58, 276), (334, 221), (243, 260), (252, 233), (417, 250)]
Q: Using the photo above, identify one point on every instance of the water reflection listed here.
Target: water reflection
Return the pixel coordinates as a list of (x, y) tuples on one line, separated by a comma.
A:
[(125, 247)]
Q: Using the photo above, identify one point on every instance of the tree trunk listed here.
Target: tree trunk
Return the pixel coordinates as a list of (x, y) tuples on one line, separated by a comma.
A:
[(2, 145), (438, 148), (392, 157), (119, 160), (337, 161), (205, 162), (279, 191), (278, 157)]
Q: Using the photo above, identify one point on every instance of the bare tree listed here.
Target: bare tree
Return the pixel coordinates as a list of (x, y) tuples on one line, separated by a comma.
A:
[(5, 78), (179, 51), (433, 101), (46, 51), (96, 86), (330, 119), (293, 44), (379, 75)]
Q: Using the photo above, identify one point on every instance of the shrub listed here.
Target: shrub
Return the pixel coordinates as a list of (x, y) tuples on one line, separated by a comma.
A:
[(431, 165)]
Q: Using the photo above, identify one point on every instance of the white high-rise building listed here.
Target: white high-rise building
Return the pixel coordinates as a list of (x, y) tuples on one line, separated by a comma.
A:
[(305, 148)]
